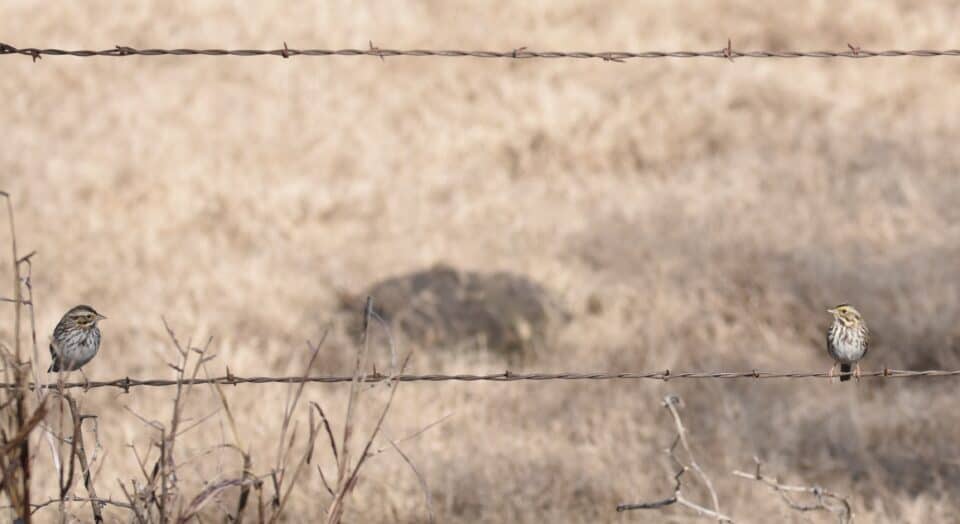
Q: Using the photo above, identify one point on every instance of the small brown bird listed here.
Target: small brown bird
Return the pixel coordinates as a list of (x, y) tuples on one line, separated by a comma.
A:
[(76, 339), (847, 339)]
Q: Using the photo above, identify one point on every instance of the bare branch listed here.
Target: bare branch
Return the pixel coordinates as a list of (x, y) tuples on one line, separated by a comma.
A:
[(346, 483), (77, 449), (347, 471), (359, 373), (672, 403), (823, 500), (279, 474), (295, 399), (24, 431), (98, 501), (198, 502), (238, 445), (16, 462), (132, 500)]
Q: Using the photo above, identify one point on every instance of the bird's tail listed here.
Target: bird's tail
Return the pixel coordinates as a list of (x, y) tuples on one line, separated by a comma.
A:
[(844, 370)]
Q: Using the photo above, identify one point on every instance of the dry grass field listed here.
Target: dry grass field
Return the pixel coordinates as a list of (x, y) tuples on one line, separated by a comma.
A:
[(690, 214)]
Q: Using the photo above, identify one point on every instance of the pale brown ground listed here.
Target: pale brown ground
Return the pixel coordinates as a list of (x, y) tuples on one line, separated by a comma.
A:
[(715, 210)]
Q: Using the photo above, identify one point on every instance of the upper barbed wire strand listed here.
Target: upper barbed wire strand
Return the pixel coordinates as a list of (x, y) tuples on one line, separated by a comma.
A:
[(506, 376), (521, 53)]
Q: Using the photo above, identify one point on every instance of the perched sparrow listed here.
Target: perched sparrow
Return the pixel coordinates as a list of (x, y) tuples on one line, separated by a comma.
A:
[(847, 339), (76, 339)]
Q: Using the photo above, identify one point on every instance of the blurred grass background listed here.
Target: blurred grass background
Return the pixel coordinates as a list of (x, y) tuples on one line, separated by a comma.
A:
[(689, 214)]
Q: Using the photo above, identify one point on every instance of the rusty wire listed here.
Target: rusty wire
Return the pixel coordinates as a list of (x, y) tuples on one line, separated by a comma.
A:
[(506, 376), (520, 53)]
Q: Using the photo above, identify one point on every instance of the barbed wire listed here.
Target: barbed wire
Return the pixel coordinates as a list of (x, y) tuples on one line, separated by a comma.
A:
[(507, 376), (520, 53)]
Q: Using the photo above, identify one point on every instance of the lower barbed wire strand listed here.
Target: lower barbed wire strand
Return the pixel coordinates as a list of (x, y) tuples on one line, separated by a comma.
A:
[(506, 376)]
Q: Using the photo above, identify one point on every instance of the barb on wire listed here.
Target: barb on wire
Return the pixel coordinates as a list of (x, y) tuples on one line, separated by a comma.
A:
[(507, 376), (520, 53)]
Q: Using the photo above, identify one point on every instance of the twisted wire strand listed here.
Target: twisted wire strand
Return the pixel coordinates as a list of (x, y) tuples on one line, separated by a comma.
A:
[(521, 53), (507, 376)]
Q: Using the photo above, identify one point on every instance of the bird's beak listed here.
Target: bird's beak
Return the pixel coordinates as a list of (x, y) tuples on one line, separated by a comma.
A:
[(832, 311), (101, 317)]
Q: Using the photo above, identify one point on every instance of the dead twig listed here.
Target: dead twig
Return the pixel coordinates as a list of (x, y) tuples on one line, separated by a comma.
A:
[(204, 496), (15, 460), (160, 497), (99, 501), (11, 444), (41, 393), (823, 500), (78, 451), (347, 472), (279, 473), (672, 403), (139, 512), (239, 446)]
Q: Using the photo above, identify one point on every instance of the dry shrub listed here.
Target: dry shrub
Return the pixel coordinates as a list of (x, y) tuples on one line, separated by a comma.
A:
[(235, 491)]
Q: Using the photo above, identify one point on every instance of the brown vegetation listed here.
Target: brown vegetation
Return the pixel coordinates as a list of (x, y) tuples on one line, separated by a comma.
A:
[(689, 214), (443, 309)]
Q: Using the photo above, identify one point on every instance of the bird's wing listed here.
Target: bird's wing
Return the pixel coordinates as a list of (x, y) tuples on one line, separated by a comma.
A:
[(54, 362), (830, 350), (866, 341)]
